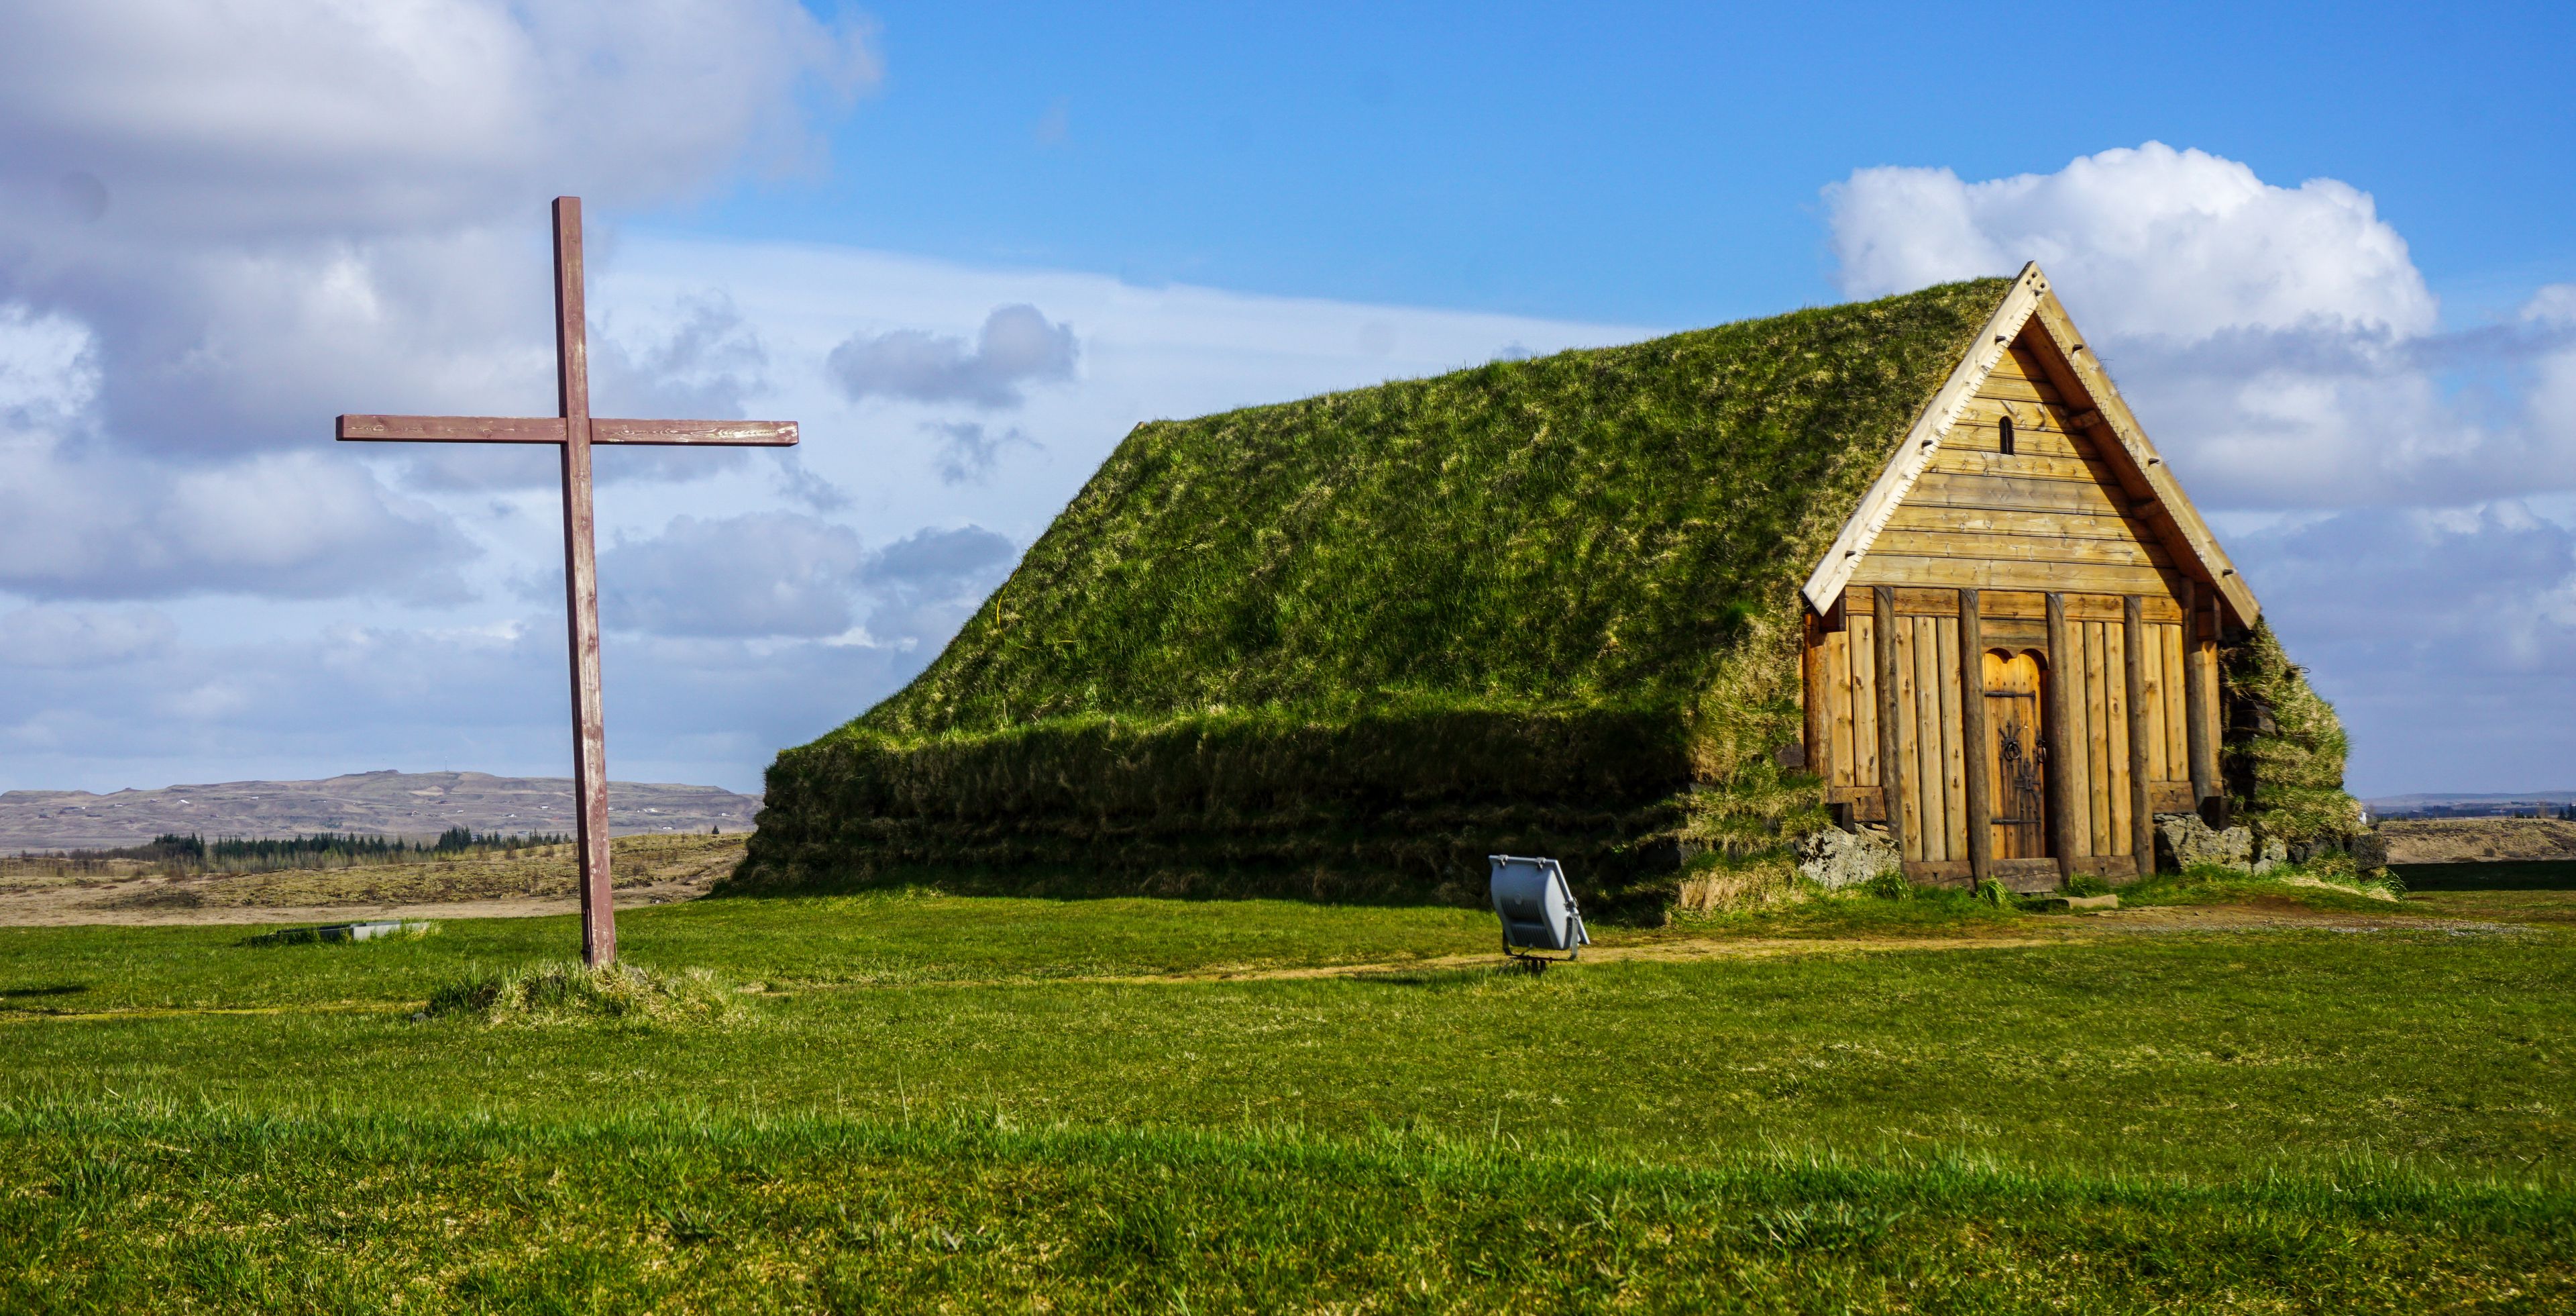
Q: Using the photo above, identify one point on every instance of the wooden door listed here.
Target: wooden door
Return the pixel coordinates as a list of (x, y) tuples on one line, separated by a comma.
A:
[(2017, 752)]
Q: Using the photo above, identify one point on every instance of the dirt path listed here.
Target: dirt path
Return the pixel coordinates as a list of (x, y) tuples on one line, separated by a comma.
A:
[(689, 876), (2165, 920)]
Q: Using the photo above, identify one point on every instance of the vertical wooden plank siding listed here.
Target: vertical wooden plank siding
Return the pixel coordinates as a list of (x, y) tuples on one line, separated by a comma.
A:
[(1954, 744), (2077, 745), (2147, 654), (2195, 686), (2213, 731), (1838, 707), (1891, 758), (1921, 796), (1864, 660), (2114, 768), (2097, 745), (2143, 735), (2062, 822), (1977, 791), (2177, 731), (1927, 740)]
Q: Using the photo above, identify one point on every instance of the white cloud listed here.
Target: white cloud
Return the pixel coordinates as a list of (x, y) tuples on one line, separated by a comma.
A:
[(2444, 635), (253, 217), (255, 122), (968, 451), (99, 525), (769, 575), (772, 573), (1016, 347), (2278, 341), (83, 637), (47, 375), (84, 519), (927, 583), (2158, 242)]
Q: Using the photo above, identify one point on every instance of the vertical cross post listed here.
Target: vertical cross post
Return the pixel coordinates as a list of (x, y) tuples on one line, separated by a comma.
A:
[(581, 591), (575, 432)]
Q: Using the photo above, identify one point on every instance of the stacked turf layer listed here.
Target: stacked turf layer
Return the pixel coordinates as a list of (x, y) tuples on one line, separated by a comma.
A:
[(1349, 646), (2285, 748)]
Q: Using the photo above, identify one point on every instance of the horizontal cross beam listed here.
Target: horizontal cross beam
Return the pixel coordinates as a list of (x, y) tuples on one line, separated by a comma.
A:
[(550, 429)]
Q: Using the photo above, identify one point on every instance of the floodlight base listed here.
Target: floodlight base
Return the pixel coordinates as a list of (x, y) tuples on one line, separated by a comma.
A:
[(1536, 964)]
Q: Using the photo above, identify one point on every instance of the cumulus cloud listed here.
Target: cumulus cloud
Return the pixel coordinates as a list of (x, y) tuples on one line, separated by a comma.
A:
[(2278, 341), (308, 117), (253, 217), (83, 637), (968, 451), (47, 375), (940, 559), (777, 573), (1017, 347), (786, 574), (699, 360), (2445, 635), (282, 236), (85, 519), (287, 525), (928, 582), (2158, 241)]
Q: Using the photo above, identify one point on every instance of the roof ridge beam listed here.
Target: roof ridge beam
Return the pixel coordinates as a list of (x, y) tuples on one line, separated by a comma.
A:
[(1907, 463), (2113, 414)]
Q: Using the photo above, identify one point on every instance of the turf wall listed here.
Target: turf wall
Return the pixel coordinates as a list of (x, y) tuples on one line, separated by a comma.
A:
[(1403, 805), (2285, 747)]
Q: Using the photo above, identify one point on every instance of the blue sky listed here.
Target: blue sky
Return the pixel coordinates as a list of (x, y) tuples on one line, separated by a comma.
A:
[(1650, 164), (2325, 251)]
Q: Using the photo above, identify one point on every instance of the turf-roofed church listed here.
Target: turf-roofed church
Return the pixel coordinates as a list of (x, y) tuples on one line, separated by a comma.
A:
[(1654, 610)]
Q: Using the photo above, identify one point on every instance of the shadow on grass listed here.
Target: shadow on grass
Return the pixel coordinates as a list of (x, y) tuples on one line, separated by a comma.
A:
[(52, 989), (2498, 875), (1444, 979)]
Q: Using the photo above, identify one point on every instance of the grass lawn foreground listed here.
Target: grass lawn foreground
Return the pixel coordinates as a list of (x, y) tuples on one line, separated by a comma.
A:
[(913, 1101)]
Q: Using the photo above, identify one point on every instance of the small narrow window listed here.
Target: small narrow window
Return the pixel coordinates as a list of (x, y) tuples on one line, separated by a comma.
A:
[(2006, 428)]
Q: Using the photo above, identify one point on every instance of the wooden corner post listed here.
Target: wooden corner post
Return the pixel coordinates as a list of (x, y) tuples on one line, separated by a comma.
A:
[(1972, 734), (2062, 659), (2142, 818), (1891, 744), (1817, 734)]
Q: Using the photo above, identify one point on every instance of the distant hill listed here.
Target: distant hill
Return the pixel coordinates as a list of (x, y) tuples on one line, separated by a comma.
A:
[(367, 803), (2521, 797)]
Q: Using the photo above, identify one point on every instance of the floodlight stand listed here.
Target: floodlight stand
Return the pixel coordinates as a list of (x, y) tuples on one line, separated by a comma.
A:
[(1536, 964)]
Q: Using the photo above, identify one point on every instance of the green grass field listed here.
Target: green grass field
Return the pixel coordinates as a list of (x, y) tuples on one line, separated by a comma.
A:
[(938, 1103)]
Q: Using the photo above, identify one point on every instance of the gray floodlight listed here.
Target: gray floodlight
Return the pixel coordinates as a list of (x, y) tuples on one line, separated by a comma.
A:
[(1537, 909)]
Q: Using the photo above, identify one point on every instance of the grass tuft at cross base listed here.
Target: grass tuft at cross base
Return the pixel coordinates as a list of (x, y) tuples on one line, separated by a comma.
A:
[(562, 992)]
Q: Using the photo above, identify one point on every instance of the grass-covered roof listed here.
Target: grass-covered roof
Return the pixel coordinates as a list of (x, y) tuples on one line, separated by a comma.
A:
[(1593, 526)]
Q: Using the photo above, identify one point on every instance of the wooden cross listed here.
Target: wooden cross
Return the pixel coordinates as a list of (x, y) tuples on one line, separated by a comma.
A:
[(574, 432)]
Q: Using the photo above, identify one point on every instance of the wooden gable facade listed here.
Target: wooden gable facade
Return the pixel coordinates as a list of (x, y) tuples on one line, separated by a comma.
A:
[(2011, 648)]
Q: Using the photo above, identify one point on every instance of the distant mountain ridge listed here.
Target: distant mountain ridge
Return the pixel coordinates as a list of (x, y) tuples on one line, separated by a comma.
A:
[(385, 803), (2506, 797)]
